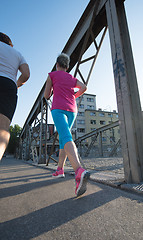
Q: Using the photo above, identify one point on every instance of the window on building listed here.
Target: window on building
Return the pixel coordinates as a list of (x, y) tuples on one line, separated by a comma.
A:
[(90, 107), (81, 130), (92, 129), (81, 106), (90, 99), (117, 116), (80, 121), (104, 139), (80, 98), (80, 114), (102, 122), (101, 114), (110, 115), (93, 121), (92, 114)]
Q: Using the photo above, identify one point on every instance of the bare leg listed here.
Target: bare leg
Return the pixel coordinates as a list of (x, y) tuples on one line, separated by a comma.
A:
[(4, 134), (71, 151), (62, 158)]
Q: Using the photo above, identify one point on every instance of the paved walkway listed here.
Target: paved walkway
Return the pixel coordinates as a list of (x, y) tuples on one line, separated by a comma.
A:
[(33, 205)]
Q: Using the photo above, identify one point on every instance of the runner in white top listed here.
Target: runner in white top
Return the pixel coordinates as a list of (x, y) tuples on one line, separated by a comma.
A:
[(10, 62)]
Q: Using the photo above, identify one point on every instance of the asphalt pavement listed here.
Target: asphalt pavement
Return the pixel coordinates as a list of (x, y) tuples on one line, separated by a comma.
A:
[(33, 205)]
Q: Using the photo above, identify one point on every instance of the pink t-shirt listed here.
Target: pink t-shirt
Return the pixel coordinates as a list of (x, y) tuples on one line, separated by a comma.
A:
[(63, 91)]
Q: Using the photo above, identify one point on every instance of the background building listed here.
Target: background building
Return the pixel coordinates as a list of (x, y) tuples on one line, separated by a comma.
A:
[(88, 103), (95, 119)]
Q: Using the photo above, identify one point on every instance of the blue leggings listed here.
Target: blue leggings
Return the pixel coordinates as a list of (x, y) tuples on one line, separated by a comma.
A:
[(63, 121)]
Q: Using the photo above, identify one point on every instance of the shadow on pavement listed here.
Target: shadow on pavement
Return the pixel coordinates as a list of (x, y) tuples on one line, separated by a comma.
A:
[(51, 217)]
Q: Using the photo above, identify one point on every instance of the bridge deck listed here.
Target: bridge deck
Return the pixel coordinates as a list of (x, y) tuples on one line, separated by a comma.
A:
[(36, 206)]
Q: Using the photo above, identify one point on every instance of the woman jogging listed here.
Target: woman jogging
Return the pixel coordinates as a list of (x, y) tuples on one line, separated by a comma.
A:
[(64, 111), (10, 62)]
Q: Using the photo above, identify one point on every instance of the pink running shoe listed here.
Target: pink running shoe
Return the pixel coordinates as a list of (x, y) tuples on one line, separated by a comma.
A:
[(81, 181), (58, 174)]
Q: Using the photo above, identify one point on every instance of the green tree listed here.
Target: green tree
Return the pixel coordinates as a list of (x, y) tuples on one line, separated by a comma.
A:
[(14, 138)]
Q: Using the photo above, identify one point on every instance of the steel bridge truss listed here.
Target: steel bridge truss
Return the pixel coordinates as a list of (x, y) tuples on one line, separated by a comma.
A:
[(94, 135), (97, 17)]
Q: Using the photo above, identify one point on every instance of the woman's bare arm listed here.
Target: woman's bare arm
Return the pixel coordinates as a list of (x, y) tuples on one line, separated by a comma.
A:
[(25, 74), (48, 88), (82, 88)]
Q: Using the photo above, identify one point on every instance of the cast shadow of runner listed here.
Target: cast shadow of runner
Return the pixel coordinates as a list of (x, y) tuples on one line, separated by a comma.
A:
[(51, 217), (27, 187), (46, 219)]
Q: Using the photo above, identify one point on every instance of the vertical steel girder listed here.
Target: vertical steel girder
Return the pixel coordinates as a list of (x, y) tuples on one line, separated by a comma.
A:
[(26, 144), (128, 101), (36, 135), (43, 132)]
